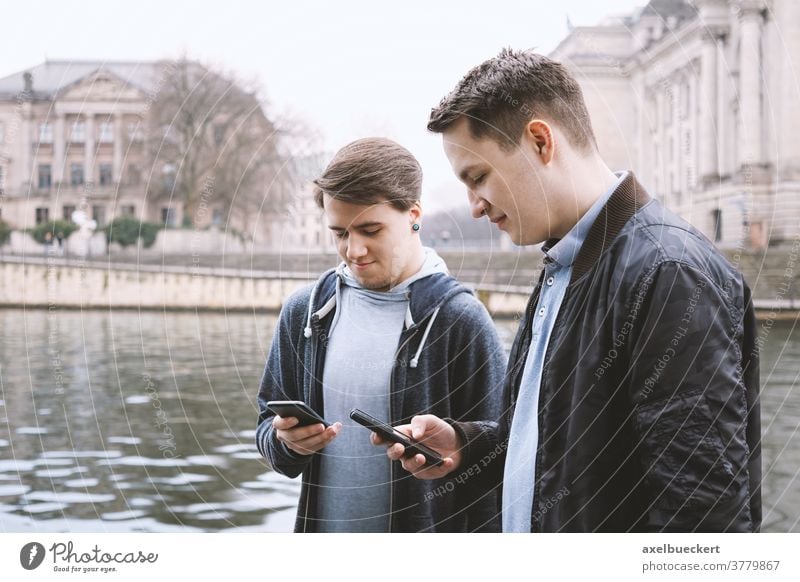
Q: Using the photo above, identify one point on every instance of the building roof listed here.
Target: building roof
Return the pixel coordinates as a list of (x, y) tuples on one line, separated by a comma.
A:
[(666, 8), (52, 76)]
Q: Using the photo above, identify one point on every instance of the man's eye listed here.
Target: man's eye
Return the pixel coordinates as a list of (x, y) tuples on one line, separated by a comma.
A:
[(339, 234), (372, 232), (478, 179)]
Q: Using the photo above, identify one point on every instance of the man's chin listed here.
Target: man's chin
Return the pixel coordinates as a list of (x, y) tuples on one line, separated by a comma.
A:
[(523, 240), (373, 284), (518, 239)]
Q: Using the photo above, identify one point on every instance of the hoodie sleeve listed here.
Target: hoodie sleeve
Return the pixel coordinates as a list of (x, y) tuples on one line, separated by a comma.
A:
[(479, 372), (282, 380)]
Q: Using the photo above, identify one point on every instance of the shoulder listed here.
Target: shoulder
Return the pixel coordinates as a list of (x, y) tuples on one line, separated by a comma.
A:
[(658, 240), (295, 306), (464, 304), (464, 315)]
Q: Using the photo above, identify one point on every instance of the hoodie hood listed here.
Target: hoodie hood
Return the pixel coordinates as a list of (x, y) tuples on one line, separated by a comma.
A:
[(432, 263), (426, 291)]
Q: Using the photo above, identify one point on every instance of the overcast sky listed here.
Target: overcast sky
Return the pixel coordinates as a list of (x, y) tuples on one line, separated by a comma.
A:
[(348, 68)]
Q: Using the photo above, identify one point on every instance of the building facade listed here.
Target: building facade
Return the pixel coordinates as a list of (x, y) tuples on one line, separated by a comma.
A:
[(304, 229), (700, 98), (73, 136)]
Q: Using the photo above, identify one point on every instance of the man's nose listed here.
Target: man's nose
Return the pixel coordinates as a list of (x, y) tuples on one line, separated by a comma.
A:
[(355, 247), (477, 205)]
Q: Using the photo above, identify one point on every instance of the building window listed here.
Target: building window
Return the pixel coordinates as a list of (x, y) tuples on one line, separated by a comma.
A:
[(686, 98), (669, 104), (45, 133), (216, 217), (42, 215), (128, 210), (219, 134), (168, 216), (78, 132), (106, 174), (168, 172), (716, 221), (45, 177), (134, 175), (106, 132), (76, 174), (99, 215), (68, 210)]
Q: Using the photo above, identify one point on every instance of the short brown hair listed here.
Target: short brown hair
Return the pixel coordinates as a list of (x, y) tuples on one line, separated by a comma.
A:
[(372, 170), (500, 96)]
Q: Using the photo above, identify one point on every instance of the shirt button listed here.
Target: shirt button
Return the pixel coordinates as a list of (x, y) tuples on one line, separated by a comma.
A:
[(550, 280)]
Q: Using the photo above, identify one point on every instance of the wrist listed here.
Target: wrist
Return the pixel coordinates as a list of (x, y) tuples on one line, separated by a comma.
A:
[(462, 443)]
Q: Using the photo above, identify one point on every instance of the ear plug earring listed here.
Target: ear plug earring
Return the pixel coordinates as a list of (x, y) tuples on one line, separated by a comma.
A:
[(415, 227)]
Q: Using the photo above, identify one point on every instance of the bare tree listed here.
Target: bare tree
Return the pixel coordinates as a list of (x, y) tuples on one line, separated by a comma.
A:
[(210, 144)]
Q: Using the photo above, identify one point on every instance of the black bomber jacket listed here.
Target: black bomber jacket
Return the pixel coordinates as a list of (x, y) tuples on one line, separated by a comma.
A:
[(648, 409)]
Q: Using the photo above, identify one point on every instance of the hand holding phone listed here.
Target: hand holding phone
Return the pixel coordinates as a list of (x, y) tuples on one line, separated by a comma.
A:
[(297, 409), (391, 434), (300, 428)]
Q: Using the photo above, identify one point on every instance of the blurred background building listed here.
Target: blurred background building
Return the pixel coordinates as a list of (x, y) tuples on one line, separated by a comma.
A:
[(697, 97), (168, 142)]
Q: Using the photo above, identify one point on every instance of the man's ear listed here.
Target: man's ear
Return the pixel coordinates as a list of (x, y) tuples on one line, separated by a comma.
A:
[(540, 136), (415, 212)]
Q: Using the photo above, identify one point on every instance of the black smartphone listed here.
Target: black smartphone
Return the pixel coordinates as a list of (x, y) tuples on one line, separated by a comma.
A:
[(300, 410), (391, 434)]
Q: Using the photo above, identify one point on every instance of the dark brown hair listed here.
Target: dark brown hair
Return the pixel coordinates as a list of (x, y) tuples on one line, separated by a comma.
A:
[(500, 96), (372, 170)]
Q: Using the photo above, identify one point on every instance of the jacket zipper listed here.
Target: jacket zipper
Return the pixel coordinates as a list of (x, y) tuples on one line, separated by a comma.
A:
[(393, 420), (313, 380), (315, 356)]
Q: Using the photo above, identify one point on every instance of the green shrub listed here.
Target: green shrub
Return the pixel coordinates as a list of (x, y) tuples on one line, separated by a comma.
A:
[(5, 232), (149, 233), (54, 227), (125, 230)]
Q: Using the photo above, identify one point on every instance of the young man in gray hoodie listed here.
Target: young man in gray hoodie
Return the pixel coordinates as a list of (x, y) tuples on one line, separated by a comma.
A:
[(390, 332)]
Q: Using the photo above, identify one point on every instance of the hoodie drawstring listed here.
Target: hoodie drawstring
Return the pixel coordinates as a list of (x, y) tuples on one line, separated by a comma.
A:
[(307, 330), (409, 319), (331, 303), (327, 308), (415, 359), (323, 311)]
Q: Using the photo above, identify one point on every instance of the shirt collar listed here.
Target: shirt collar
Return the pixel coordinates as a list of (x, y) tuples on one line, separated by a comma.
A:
[(565, 250)]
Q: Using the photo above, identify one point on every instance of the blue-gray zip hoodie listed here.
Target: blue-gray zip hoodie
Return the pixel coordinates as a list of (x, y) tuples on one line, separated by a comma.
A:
[(449, 363)]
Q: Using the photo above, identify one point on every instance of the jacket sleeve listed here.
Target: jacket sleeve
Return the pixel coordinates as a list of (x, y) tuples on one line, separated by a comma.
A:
[(688, 399), (478, 372), (281, 381)]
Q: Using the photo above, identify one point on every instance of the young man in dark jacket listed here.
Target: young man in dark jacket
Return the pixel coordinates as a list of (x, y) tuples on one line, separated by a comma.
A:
[(631, 401), (388, 332)]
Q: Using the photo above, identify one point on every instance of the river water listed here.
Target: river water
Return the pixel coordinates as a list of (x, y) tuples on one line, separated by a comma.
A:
[(128, 421)]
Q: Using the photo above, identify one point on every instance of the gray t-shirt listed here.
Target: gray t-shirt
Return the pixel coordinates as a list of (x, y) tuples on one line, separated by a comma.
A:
[(355, 476)]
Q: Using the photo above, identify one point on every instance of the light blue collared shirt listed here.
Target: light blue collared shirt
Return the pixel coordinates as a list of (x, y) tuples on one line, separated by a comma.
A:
[(520, 467)]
